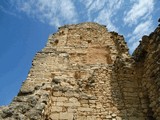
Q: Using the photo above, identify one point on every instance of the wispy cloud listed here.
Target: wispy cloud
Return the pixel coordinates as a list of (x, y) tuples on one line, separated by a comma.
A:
[(102, 11), (140, 10), (6, 11), (134, 15), (143, 28), (106, 14), (140, 19), (54, 12), (60, 12)]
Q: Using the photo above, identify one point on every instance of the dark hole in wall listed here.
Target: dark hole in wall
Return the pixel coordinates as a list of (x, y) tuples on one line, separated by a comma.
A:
[(56, 41)]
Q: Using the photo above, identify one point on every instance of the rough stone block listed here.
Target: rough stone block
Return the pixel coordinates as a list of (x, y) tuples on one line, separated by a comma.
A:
[(54, 116), (56, 109), (66, 116), (62, 99), (91, 118), (85, 109)]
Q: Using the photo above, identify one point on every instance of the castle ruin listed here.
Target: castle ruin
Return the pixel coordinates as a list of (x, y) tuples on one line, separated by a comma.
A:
[(85, 72)]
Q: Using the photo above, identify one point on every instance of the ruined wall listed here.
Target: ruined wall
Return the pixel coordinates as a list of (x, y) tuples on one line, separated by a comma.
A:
[(147, 67), (86, 72), (125, 76)]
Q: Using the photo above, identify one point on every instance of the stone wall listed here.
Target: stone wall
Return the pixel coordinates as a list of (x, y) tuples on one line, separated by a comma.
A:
[(147, 57), (86, 73)]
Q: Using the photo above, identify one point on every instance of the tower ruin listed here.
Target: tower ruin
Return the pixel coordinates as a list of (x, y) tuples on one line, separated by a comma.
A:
[(85, 72)]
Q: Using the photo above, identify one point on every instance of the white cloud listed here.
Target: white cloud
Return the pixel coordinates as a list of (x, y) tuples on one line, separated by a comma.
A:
[(59, 12), (96, 5), (107, 12), (103, 11), (54, 12), (139, 17), (87, 2), (104, 18), (141, 9), (143, 28), (133, 46)]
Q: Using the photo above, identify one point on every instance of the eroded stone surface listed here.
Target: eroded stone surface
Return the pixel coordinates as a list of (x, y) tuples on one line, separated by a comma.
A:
[(86, 73)]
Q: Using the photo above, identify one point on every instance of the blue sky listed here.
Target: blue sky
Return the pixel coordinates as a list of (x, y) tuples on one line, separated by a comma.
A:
[(26, 24)]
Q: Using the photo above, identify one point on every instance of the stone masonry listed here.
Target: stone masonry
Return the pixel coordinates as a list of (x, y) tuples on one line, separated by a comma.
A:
[(86, 73)]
